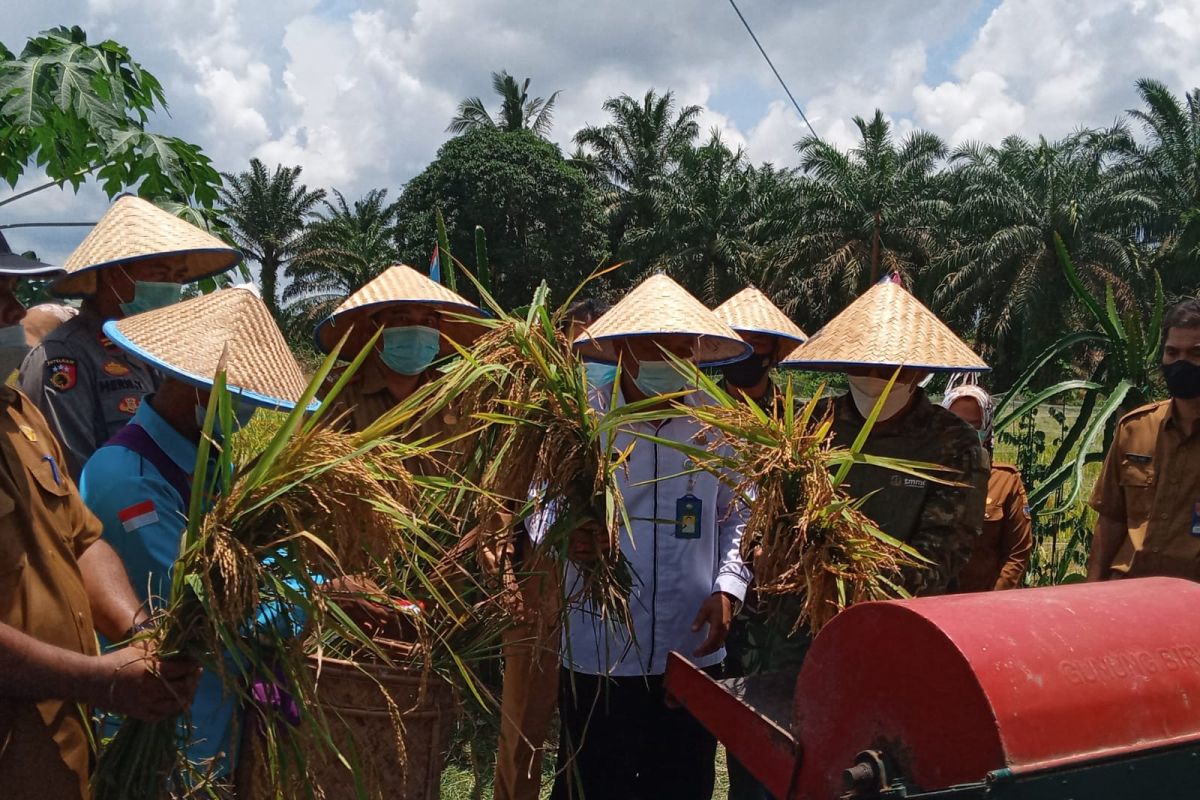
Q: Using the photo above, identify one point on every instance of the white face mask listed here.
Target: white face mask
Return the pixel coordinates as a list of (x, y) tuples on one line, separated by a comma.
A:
[(866, 392), (13, 349)]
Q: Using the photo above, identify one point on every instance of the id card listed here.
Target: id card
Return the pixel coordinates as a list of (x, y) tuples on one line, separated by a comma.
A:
[(687, 517)]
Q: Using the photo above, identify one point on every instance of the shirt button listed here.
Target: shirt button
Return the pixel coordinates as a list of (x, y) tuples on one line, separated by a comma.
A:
[(1162, 515)]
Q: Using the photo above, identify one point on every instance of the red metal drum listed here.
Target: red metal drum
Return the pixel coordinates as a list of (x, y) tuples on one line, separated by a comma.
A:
[(952, 688)]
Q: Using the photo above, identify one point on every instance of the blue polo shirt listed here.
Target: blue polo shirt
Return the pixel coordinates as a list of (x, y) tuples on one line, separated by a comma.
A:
[(144, 518)]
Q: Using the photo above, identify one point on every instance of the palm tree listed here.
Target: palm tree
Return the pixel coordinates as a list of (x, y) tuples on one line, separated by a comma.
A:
[(1003, 278), (1168, 166), (702, 236), (342, 250), (266, 213), (518, 111), (632, 157), (869, 211)]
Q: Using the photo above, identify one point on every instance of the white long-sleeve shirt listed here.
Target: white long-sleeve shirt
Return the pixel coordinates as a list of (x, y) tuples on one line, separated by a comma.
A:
[(672, 576)]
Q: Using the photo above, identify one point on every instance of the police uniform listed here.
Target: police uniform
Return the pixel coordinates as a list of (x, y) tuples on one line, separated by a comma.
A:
[(1001, 554), (1150, 483), (44, 529), (87, 388), (940, 521)]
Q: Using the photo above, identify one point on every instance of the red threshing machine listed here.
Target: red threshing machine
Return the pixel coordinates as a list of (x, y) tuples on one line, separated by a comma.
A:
[(1081, 691)]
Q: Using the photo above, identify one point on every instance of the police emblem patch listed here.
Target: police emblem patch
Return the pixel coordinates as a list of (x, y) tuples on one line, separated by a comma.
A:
[(129, 405), (61, 373), (115, 368)]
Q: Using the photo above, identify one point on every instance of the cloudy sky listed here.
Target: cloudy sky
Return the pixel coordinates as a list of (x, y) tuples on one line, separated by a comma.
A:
[(359, 93)]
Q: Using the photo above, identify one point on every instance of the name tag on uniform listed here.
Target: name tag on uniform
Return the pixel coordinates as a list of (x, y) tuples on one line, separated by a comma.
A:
[(1138, 458), (687, 517)]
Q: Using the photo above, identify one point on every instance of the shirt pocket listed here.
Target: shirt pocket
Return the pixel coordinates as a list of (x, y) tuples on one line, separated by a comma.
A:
[(1138, 482)]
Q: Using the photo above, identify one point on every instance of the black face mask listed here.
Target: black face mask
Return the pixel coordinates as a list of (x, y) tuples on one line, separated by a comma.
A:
[(747, 372), (1183, 379)]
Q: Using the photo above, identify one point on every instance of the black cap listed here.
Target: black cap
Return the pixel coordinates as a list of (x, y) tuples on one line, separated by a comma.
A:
[(19, 266)]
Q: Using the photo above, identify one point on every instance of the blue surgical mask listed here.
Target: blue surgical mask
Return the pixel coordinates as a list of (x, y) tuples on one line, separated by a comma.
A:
[(409, 350), (599, 374), (149, 295), (659, 377)]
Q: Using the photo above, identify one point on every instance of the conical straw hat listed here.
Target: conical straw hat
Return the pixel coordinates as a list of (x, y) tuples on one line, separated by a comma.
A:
[(751, 311), (135, 230), (187, 340), (886, 327), (398, 285), (656, 307)]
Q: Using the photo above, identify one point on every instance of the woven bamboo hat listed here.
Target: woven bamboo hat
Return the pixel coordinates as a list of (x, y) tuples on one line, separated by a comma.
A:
[(135, 230), (186, 341), (398, 285), (659, 306), (751, 311), (886, 327)]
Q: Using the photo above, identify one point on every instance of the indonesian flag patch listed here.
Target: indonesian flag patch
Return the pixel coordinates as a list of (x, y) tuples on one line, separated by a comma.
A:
[(138, 516)]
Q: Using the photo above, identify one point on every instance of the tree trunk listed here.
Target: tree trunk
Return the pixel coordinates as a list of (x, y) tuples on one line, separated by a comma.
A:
[(875, 251), (269, 277)]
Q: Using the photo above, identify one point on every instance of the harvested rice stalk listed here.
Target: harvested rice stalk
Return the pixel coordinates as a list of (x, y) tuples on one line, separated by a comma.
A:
[(804, 537), (315, 502)]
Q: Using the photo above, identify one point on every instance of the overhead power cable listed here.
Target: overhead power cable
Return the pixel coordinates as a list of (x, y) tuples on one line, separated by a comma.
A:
[(778, 77)]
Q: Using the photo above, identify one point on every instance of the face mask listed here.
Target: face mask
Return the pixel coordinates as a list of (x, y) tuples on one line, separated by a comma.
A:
[(599, 374), (866, 393), (149, 295), (658, 377), (1183, 379), (409, 350), (747, 372), (13, 349), (242, 413)]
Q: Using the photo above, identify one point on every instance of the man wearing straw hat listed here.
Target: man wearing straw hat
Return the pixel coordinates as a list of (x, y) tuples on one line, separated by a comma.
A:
[(619, 739), (765, 328), (885, 330), (57, 581), (419, 322), (139, 483), (772, 335), (136, 259)]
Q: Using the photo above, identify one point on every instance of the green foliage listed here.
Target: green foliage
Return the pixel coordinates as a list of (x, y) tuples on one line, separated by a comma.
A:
[(266, 213), (1003, 281), (867, 212), (631, 160), (1125, 351), (72, 108), (541, 215), (518, 111)]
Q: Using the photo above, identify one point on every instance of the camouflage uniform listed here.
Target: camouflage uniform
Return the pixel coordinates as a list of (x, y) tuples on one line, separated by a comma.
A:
[(86, 387), (940, 521)]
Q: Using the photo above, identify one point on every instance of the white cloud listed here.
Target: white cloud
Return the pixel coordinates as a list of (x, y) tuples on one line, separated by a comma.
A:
[(978, 109)]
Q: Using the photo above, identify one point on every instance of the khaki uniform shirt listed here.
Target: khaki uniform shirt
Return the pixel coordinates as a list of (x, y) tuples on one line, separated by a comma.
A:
[(1001, 554), (940, 521), (44, 528), (366, 398), (85, 386), (1151, 483)]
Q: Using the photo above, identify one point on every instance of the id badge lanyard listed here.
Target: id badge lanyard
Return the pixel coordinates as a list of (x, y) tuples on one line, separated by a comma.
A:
[(689, 509)]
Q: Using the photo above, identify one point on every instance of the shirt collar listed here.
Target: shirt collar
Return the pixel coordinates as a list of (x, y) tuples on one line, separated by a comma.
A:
[(173, 443)]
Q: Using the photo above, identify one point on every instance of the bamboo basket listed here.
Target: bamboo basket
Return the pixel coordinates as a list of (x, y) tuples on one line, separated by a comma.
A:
[(403, 761)]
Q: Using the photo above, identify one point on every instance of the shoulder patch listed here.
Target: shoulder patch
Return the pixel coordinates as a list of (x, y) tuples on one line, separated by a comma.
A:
[(129, 405), (62, 373)]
